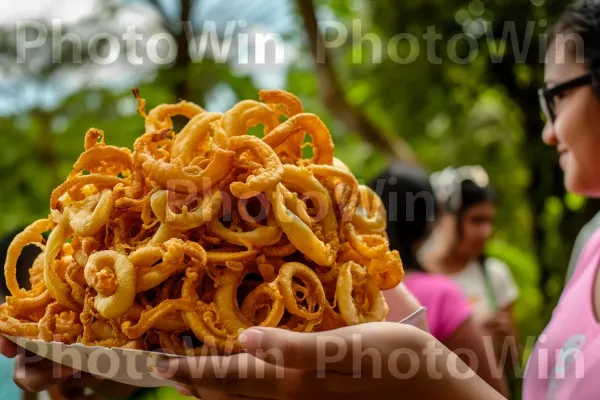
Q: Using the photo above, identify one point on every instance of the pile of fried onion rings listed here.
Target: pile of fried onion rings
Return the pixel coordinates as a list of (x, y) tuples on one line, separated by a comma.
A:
[(202, 233)]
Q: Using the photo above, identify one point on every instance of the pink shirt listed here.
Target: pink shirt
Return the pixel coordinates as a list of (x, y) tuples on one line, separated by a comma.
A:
[(447, 307), (565, 363)]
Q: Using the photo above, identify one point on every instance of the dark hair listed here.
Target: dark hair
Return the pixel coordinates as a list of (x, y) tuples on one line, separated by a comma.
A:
[(472, 194), (458, 189), (582, 18), (408, 196)]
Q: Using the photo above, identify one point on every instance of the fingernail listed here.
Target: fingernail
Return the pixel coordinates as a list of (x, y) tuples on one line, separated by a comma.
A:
[(162, 367), (250, 339), (183, 390)]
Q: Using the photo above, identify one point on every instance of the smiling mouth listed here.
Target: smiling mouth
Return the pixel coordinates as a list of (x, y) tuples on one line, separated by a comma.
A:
[(562, 158), (562, 152)]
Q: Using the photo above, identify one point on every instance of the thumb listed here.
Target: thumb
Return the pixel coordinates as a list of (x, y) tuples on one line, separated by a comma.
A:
[(299, 350), (331, 350)]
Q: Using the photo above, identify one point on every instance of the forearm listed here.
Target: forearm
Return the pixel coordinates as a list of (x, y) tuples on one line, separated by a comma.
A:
[(442, 374), (489, 370)]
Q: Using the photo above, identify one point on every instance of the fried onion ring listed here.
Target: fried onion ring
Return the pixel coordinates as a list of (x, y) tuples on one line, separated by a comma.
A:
[(88, 218), (260, 297), (346, 302), (387, 270), (100, 181), (31, 234), (266, 176), (103, 159), (246, 114), (195, 320), (194, 138), (150, 317), (367, 245), (117, 304), (309, 277), (370, 216), (191, 179), (160, 117), (58, 289), (299, 124), (187, 219), (299, 234)]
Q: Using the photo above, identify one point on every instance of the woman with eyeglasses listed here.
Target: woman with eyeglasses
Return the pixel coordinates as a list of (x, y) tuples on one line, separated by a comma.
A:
[(456, 249), (388, 360)]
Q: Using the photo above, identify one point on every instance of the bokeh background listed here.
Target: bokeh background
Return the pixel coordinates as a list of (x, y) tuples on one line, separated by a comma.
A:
[(481, 111)]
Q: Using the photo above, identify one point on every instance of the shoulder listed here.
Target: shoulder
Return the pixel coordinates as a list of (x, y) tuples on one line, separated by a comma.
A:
[(589, 254), (591, 247), (438, 282), (436, 286), (497, 269), (447, 306), (504, 287)]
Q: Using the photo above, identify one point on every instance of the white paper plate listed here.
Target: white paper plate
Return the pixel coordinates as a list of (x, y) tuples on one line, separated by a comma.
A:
[(415, 317), (128, 366)]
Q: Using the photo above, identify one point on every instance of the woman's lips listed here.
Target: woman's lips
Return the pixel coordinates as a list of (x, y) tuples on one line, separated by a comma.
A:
[(563, 159)]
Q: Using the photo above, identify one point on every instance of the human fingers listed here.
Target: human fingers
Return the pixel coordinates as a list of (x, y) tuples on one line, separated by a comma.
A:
[(245, 376), (74, 387), (7, 348), (33, 374), (77, 394), (240, 374), (332, 350), (187, 390)]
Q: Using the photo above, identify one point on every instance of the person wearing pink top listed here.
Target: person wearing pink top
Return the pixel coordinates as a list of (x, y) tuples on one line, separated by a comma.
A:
[(408, 197), (449, 314), (565, 363)]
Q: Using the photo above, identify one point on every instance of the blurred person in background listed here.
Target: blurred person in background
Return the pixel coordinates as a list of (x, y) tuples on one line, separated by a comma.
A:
[(411, 209), (457, 249)]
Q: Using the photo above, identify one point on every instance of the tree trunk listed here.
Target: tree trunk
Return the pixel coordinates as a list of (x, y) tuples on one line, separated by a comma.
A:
[(334, 100), (183, 60)]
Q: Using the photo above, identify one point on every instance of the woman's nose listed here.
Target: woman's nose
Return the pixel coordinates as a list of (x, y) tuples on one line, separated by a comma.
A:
[(548, 135)]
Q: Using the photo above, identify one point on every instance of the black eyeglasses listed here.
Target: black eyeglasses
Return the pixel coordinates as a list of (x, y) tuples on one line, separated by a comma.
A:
[(547, 95)]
